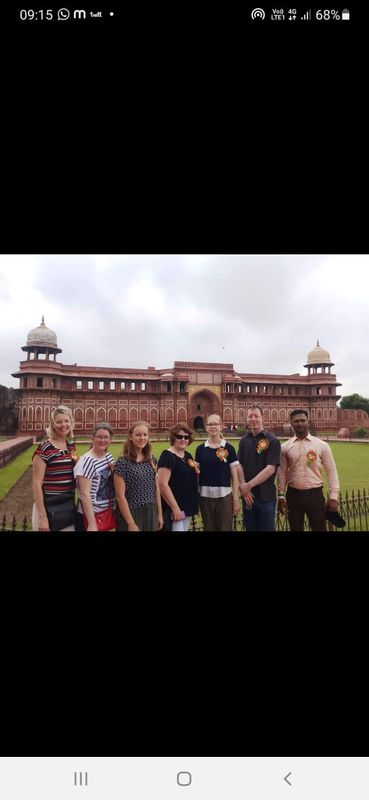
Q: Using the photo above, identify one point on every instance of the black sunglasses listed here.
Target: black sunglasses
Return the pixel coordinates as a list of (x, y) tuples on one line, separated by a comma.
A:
[(184, 436)]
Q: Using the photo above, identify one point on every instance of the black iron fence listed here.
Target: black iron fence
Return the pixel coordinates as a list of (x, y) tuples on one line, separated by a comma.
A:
[(353, 507)]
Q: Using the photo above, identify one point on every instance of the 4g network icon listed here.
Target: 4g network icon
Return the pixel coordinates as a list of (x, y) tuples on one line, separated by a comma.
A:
[(276, 14)]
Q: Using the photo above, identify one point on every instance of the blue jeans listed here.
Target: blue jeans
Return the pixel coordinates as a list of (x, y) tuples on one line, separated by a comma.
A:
[(260, 517)]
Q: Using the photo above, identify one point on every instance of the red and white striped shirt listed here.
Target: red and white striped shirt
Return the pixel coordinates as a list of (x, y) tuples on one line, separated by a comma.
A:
[(59, 475)]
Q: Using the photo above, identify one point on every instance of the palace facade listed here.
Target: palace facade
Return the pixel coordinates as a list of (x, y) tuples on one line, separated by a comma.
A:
[(186, 392)]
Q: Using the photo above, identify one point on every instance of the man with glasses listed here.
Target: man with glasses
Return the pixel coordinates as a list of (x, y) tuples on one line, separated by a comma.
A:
[(218, 484)]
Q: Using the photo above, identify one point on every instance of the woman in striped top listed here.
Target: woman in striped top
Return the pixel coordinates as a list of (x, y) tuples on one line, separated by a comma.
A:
[(94, 475), (53, 463)]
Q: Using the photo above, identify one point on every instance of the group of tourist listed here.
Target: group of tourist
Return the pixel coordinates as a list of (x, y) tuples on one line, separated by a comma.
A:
[(139, 493)]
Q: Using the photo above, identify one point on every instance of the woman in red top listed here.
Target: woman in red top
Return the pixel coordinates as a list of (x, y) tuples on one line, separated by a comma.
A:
[(53, 479)]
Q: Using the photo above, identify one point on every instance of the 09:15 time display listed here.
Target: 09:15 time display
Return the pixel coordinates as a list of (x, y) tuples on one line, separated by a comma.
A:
[(31, 14)]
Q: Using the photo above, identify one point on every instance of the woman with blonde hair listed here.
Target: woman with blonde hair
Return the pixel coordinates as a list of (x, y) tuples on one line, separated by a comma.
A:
[(136, 485), (219, 484), (53, 479)]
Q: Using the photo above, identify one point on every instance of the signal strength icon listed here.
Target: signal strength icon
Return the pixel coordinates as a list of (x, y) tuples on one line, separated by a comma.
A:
[(307, 14)]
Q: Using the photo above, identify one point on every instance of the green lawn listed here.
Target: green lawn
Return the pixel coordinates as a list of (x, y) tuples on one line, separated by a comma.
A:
[(352, 462), (13, 471)]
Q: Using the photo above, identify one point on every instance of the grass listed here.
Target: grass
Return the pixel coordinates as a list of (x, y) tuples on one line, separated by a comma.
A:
[(352, 461), (10, 474)]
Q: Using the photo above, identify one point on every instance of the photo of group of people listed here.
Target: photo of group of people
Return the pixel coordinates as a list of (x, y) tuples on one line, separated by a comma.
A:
[(137, 492)]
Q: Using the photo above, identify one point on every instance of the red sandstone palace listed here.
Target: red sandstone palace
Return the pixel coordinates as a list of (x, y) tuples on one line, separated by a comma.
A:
[(185, 393)]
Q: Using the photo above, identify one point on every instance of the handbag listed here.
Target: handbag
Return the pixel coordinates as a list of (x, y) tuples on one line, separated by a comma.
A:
[(105, 520), (60, 510)]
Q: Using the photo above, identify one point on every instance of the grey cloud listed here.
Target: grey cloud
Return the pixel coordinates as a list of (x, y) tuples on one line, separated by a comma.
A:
[(266, 312)]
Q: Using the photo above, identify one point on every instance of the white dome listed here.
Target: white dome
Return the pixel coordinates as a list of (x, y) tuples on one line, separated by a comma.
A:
[(318, 355), (42, 336)]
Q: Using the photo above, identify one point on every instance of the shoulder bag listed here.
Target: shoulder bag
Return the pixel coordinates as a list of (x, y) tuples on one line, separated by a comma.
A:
[(105, 520), (60, 510)]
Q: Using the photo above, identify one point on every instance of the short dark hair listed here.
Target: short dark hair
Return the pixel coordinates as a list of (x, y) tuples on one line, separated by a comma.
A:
[(256, 405), (299, 411), (181, 427), (103, 426)]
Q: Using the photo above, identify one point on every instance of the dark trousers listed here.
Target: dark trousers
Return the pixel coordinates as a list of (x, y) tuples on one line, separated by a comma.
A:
[(306, 501), (260, 517), (217, 513)]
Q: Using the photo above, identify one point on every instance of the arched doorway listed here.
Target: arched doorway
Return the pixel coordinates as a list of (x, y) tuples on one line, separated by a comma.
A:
[(198, 423), (203, 403)]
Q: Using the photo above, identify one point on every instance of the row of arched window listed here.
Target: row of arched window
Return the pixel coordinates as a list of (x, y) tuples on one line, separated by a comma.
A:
[(112, 415)]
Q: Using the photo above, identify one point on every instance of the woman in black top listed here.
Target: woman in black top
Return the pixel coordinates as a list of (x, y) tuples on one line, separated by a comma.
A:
[(177, 473)]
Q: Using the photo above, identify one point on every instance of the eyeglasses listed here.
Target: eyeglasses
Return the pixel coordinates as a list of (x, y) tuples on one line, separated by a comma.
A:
[(184, 436), (212, 423)]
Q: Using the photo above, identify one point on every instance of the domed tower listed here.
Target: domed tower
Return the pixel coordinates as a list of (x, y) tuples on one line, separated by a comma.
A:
[(41, 341), (318, 361), (40, 380)]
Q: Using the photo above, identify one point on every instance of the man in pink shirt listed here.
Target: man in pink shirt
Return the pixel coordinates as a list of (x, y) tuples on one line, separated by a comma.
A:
[(302, 459)]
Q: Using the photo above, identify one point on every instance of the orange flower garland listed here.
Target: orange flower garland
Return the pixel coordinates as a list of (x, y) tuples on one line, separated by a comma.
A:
[(262, 445), (311, 456), (192, 463), (222, 453), (73, 454)]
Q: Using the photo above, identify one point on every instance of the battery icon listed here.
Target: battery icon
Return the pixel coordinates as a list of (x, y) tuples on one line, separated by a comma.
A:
[(345, 14)]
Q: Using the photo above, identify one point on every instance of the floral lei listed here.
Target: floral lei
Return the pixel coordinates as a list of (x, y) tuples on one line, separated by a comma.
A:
[(262, 445), (311, 456), (192, 463), (222, 453), (73, 452)]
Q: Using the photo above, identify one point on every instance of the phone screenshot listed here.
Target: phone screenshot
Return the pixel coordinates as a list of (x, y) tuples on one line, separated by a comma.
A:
[(184, 401)]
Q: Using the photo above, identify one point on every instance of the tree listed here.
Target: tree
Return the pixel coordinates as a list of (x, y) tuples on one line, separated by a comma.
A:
[(355, 401), (361, 433)]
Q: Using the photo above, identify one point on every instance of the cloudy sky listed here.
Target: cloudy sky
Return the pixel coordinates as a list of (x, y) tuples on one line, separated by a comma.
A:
[(260, 313)]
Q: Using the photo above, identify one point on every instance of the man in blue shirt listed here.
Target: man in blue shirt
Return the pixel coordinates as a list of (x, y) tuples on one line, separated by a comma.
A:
[(258, 456)]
